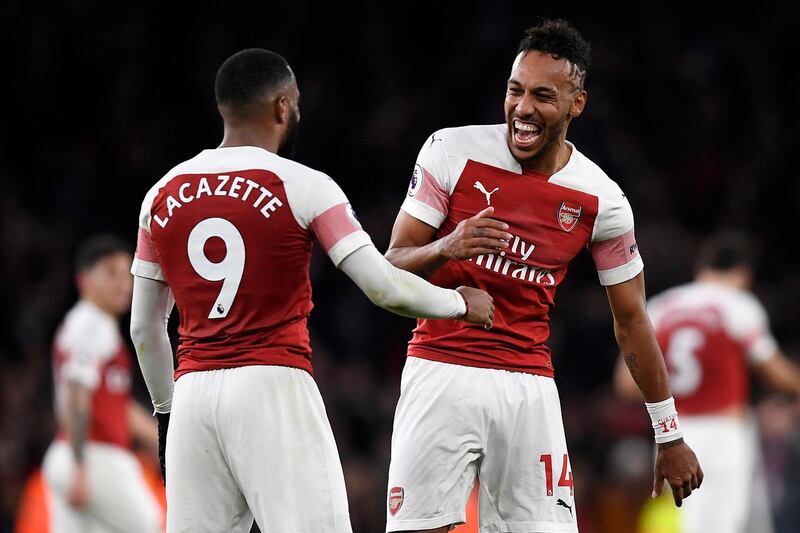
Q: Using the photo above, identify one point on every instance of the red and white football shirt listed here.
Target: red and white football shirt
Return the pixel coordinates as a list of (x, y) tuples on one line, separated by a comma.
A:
[(230, 231), (709, 334), (459, 172), (89, 350)]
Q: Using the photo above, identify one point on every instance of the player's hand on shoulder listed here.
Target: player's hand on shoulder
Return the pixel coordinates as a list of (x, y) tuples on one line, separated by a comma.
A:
[(677, 464), (78, 495), (480, 306), (475, 236)]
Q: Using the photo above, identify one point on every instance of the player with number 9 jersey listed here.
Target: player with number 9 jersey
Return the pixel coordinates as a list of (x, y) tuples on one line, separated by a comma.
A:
[(216, 227), (228, 236)]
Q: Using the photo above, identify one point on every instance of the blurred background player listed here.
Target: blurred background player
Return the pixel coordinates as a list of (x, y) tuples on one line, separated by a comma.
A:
[(95, 481), (484, 404), (713, 332), (229, 233)]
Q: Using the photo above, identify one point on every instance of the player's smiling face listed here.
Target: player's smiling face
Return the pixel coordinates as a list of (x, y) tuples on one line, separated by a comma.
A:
[(541, 98)]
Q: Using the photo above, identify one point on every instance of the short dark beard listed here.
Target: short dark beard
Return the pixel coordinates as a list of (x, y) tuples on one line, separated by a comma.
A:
[(289, 143)]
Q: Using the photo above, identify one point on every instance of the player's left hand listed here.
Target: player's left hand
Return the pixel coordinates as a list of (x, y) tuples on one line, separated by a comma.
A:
[(677, 464), (78, 493), (163, 425)]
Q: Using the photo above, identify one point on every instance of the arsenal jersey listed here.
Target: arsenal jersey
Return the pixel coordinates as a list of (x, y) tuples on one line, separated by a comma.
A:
[(461, 171), (231, 232), (710, 334), (89, 350)]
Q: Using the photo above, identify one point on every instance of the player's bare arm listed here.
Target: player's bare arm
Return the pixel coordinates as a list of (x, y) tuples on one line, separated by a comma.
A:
[(413, 246), (77, 423), (675, 461), (780, 374)]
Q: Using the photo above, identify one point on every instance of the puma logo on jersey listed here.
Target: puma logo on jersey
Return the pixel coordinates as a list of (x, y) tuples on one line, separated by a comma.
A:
[(562, 503), (478, 185)]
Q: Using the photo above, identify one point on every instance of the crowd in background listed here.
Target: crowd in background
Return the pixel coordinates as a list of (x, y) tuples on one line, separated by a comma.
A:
[(692, 113)]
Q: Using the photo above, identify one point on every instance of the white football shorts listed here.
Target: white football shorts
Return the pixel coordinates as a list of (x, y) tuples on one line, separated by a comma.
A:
[(455, 423), (252, 441), (119, 499)]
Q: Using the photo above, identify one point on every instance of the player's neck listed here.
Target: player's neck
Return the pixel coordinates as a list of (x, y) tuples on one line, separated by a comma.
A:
[(721, 278), (250, 136), (99, 305), (552, 161)]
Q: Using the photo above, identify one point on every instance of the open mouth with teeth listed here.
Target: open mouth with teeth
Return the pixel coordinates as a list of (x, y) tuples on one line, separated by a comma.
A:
[(525, 133)]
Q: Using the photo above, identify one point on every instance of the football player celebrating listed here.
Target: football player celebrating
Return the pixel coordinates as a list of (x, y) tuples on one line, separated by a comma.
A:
[(484, 404), (228, 234)]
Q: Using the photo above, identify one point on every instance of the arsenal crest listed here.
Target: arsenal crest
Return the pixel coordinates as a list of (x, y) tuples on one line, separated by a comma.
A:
[(568, 215), (395, 500)]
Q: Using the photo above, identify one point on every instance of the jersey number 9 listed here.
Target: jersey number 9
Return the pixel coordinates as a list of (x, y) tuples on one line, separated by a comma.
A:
[(229, 270)]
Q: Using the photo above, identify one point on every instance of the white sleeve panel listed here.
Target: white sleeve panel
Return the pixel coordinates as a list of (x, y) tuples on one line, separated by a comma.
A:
[(614, 215), (150, 310), (320, 205), (748, 324), (88, 340), (399, 291), (428, 196), (311, 194), (613, 244)]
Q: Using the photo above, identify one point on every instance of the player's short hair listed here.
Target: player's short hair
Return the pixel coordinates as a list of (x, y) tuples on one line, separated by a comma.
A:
[(248, 75), (560, 39), (726, 251), (96, 248)]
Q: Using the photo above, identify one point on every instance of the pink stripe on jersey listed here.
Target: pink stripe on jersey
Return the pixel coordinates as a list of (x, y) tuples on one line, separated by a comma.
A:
[(334, 225), (145, 247), (615, 252), (431, 193)]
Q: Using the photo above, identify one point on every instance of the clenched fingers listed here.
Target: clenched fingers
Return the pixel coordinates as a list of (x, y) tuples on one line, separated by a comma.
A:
[(481, 250), (486, 231), (486, 242)]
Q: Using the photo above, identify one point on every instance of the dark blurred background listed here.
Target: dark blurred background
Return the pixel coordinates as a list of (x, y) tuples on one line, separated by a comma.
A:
[(693, 112)]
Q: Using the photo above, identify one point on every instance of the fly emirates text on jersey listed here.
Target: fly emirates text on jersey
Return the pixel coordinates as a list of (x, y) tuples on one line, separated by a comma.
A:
[(502, 264)]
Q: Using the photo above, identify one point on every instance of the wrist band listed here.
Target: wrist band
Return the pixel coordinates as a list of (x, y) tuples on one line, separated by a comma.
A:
[(664, 419)]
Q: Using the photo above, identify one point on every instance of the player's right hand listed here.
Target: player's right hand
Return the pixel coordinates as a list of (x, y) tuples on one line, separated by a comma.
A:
[(163, 425), (480, 306), (475, 236), (677, 464), (78, 493)]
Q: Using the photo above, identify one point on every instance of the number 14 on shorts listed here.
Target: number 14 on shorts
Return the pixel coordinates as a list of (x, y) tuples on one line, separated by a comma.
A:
[(564, 480)]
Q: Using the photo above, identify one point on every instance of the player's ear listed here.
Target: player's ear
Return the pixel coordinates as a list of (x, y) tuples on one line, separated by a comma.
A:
[(282, 110), (578, 103)]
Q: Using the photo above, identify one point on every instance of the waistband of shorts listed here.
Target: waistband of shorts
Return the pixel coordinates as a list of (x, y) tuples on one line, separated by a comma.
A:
[(462, 361)]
